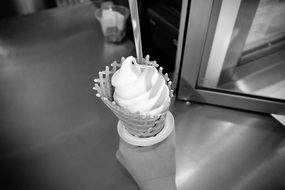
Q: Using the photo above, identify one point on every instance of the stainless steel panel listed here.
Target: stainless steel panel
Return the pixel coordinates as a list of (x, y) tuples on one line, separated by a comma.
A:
[(225, 149)]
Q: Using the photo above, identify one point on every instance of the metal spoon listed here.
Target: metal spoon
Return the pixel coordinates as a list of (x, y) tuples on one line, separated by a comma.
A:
[(136, 29)]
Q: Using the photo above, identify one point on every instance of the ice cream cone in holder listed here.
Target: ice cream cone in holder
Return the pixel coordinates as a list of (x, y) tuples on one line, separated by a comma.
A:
[(139, 125), (147, 139)]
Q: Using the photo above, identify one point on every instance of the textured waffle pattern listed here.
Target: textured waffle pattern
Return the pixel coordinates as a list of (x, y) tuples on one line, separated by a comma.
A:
[(139, 125)]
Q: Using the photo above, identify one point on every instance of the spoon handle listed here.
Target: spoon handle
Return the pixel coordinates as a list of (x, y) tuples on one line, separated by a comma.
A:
[(136, 28)]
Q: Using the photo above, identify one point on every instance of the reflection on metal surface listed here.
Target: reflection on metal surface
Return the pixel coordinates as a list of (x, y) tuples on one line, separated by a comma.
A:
[(269, 82), (210, 146), (221, 149), (275, 90), (242, 86), (185, 174)]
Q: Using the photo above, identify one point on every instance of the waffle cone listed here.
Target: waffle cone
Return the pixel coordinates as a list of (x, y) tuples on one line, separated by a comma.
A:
[(137, 124)]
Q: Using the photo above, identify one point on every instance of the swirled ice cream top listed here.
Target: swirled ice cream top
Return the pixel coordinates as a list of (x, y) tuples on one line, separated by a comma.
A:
[(140, 88)]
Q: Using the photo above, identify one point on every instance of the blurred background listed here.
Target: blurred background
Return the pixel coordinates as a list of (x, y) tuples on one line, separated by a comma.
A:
[(156, 17)]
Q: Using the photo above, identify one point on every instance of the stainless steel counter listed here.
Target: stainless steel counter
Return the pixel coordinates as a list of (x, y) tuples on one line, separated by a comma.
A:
[(55, 134), (224, 149)]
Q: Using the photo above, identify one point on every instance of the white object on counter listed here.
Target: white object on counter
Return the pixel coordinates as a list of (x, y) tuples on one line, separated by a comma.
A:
[(111, 18)]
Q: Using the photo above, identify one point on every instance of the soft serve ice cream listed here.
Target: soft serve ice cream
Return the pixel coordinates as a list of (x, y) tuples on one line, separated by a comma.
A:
[(140, 88)]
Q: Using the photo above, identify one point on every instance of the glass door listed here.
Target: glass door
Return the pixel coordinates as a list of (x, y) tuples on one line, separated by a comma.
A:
[(233, 54)]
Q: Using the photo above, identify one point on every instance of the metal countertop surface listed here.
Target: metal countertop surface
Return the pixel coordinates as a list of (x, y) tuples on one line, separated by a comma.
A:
[(55, 134), (219, 148)]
